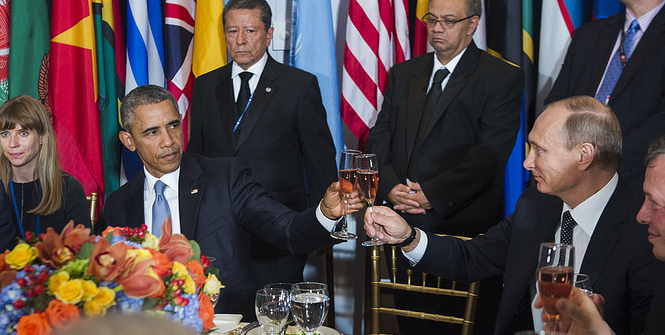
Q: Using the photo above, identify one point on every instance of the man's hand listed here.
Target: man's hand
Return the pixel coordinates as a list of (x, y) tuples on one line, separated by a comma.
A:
[(579, 314), (407, 199), (387, 225), (332, 205)]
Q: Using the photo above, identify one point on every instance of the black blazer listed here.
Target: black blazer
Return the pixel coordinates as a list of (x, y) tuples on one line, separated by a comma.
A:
[(467, 144), (638, 99), (284, 134), (618, 259), (221, 207), (7, 227)]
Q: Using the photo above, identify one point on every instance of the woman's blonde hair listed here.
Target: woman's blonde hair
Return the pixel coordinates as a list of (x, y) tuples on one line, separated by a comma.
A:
[(26, 112)]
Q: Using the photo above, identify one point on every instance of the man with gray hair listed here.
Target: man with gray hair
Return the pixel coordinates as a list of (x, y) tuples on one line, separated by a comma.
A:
[(575, 150)]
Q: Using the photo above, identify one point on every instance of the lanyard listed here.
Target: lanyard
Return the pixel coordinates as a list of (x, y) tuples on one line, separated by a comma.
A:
[(622, 50), (243, 112), (18, 217)]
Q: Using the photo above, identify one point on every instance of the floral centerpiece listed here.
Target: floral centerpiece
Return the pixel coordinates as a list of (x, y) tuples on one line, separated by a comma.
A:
[(50, 280)]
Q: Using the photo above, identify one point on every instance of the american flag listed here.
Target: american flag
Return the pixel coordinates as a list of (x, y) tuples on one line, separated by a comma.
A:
[(377, 36)]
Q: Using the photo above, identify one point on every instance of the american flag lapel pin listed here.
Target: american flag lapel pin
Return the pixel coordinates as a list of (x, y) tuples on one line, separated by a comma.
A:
[(194, 191)]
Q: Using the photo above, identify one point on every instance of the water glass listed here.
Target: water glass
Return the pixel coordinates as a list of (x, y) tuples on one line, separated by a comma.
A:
[(309, 305), (272, 309)]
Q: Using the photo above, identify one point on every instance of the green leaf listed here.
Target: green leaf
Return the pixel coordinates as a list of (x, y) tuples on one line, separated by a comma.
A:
[(196, 256), (86, 250)]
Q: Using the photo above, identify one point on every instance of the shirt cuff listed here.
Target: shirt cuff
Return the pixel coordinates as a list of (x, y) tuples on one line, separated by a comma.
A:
[(414, 256), (328, 224)]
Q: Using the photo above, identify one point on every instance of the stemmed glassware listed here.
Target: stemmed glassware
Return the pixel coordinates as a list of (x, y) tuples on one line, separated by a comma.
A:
[(583, 282), (272, 309), (215, 297), (309, 305), (555, 278), (367, 179), (347, 177)]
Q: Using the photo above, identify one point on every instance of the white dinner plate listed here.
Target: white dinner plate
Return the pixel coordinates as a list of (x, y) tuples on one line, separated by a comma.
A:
[(226, 322), (322, 330)]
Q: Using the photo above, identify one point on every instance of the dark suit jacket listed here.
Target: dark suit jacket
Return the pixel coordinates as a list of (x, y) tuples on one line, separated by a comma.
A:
[(7, 227), (467, 144), (285, 138), (655, 323), (284, 134), (638, 99), (221, 207), (618, 259)]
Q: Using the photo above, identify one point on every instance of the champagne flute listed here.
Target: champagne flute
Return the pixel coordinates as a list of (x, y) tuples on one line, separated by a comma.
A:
[(309, 305), (272, 309), (583, 282), (367, 180), (347, 177), (215, 297), (555, 277)]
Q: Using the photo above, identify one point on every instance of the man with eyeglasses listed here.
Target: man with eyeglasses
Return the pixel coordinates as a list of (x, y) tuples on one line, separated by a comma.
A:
[(447, 126)]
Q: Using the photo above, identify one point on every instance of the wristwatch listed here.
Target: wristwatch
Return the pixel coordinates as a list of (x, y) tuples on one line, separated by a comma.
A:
[(409, 239)]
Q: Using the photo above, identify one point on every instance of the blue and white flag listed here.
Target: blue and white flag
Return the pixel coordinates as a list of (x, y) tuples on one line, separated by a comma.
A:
[(145, 58), (313, 50)]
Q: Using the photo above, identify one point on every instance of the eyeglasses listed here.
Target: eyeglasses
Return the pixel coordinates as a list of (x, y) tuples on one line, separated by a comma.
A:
[(431, 21)]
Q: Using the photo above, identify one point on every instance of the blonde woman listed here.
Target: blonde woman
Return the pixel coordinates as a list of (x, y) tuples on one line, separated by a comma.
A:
[(40, 194)]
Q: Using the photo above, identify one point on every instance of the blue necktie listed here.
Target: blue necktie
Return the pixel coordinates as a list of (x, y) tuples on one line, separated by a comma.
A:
[(160, 209), (614, 70)]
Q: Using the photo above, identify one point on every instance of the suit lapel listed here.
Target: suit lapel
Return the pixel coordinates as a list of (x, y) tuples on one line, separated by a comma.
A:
[(606, 40), (135, 214), (606, 235), (189, 195), (649, 40), (264, 91), (226, 102), (416, 101), (465, 67)]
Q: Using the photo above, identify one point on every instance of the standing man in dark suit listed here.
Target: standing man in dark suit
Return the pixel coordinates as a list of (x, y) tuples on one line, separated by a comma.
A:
[(635, 89), (274, 118), (441, 163), (214, 201), (575, 149)]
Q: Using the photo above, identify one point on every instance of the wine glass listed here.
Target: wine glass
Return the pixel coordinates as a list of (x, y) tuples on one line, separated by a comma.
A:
[(272, 309), (367, 180), (309, 305), (583, 282), (215, 297), (285, 286), (347, 177), (555, 277)]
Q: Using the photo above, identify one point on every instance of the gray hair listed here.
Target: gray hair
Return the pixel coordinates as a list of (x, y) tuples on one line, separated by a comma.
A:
[(474, 7), (141, 96), (261, 5), (595, 123), (656, 149)]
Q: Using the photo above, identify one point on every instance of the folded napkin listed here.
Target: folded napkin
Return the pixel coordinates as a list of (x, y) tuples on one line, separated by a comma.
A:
[(226, 322)]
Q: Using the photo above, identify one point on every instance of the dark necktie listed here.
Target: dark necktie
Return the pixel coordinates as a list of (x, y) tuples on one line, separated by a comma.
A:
[(244, 94), (428, 110), (567, 226), (615, 68), (160, 209)]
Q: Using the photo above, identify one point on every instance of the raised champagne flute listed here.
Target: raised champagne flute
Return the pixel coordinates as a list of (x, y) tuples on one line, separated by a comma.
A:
[(347, 177), (367, 181), (555, 278), (309, 305)]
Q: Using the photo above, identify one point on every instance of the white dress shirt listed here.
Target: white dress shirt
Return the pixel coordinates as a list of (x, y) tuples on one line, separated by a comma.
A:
[(255, 69)]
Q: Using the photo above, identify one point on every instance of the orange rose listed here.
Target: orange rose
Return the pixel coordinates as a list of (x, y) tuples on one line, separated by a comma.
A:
[(33, 324), (206, 312), (60, 314), (162, 265), (196, 272)]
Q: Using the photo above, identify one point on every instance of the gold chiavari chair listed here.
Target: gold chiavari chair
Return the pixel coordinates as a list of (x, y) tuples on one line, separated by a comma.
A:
[(468, 292)]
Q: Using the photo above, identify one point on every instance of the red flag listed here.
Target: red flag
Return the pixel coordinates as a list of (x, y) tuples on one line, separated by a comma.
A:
[(377, 36), (73, 92)]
